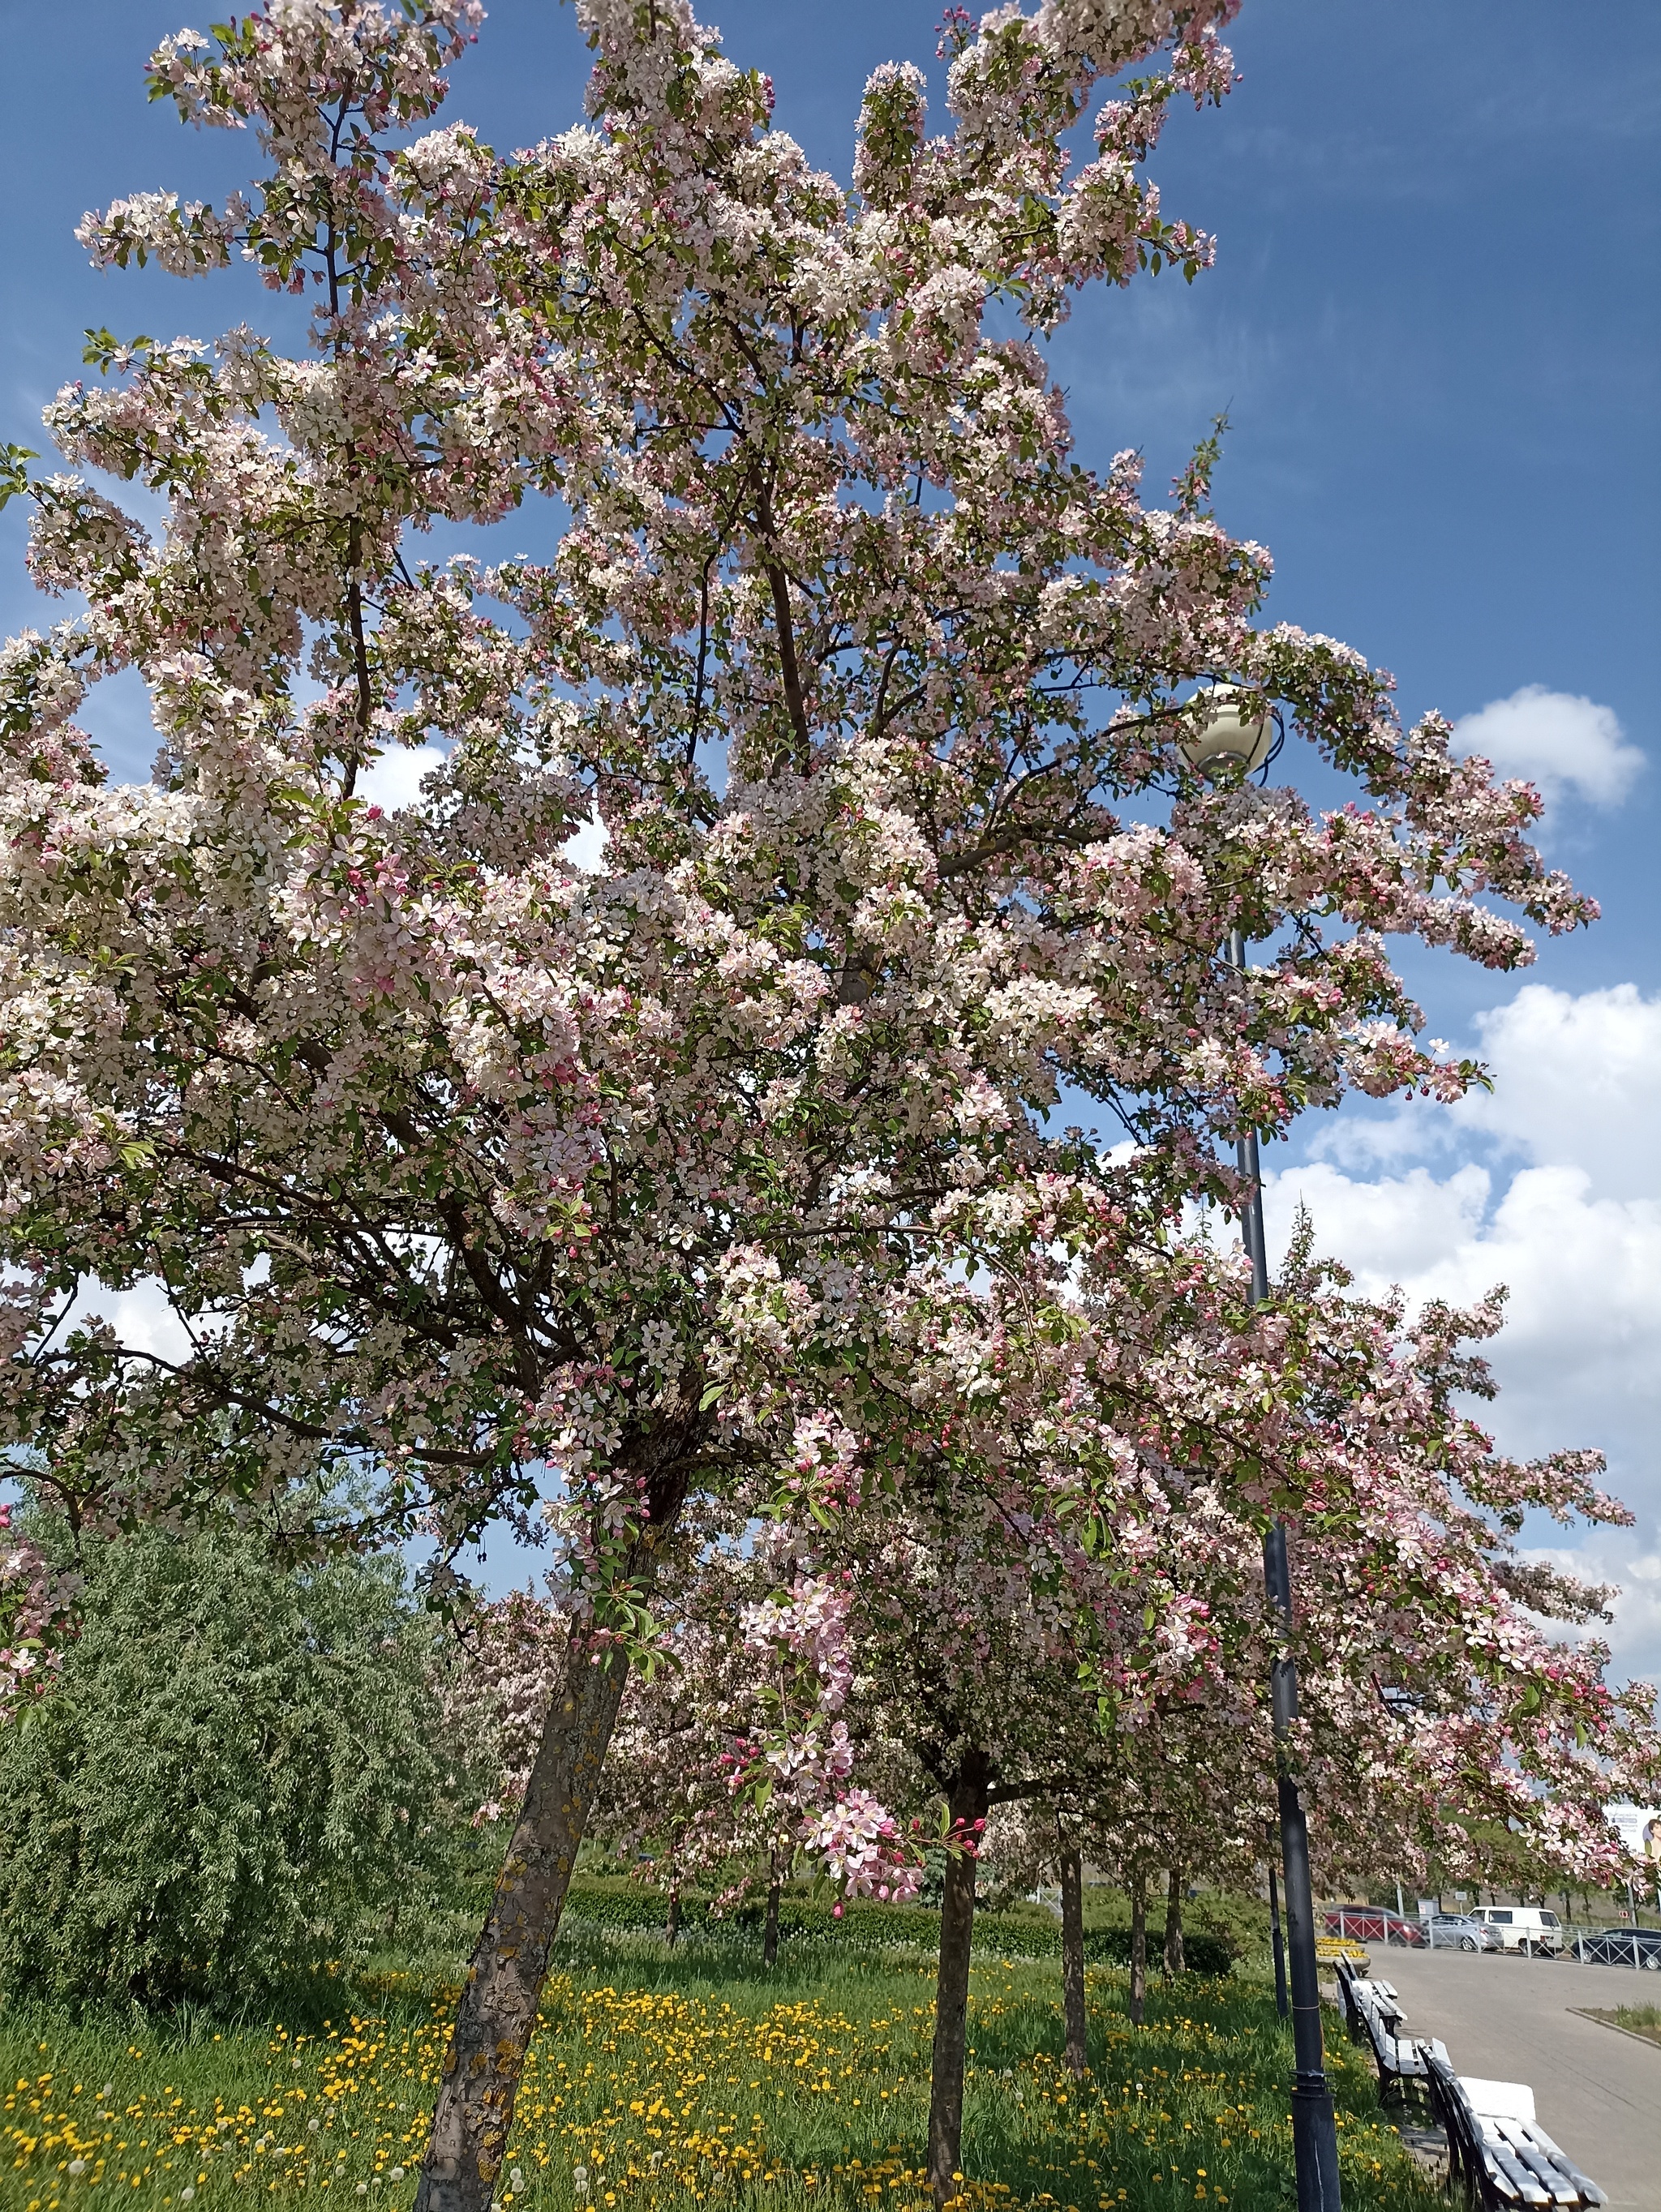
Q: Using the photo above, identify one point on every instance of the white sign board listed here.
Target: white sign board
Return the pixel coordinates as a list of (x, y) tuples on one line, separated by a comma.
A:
[(1639, 1827)]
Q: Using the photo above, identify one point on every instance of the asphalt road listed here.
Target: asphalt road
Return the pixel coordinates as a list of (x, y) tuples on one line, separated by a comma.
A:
[(1508, 2018)]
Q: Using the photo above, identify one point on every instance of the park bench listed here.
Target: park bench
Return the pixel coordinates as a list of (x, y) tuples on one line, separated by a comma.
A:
[(1373, 2013), (1497, 2148)]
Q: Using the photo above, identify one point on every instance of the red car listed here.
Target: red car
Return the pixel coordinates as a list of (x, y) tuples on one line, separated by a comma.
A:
[(1371, 1924)]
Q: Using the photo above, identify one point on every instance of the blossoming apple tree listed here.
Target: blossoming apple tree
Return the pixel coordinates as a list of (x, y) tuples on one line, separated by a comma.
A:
[(476, 1175), (1123, 1683), (731, 1752), (36, 1615), (1053, 1606)]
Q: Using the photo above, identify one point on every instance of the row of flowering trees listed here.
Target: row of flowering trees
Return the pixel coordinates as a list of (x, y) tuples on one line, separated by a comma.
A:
[(706, 1212), (955, 1653)]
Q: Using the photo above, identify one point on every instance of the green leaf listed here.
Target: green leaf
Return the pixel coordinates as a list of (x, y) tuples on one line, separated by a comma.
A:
[(14, 472)]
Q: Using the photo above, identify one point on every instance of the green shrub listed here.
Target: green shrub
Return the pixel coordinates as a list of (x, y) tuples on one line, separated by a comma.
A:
[(625, 1904), (1205, 1953), (1015, 1934), (237, 1763)]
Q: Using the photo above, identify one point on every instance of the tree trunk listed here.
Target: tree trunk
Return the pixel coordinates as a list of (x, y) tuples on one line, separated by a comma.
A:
[(1073, 1958), (968, 1803), (1282, 2000), (1138, 1946), (769, 1939), (671, 1926), (497, 2014), (1174, 1961)]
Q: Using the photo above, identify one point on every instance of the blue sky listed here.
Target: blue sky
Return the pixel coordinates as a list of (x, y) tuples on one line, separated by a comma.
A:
[(1434, 324)]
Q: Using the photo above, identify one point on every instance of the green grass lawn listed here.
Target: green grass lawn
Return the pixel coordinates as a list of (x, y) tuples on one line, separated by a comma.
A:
[(691, 2077)]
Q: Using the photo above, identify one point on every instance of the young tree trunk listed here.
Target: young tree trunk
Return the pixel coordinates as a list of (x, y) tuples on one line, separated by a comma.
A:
[(1174, 1960), (672, 1927), (968, 1803), (1138, 1946), (497, 2015), (1072, 1957), (498, 2009), (770, 1940)]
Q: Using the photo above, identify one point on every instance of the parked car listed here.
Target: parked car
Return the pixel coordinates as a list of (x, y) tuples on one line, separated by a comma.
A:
[(1460, 1931), (1371, 1924), (1620, 1946), (1522, 1927)]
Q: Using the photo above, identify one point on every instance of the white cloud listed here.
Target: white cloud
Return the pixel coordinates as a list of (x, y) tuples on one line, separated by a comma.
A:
[(1392, 1231), (1630, 1559), (1576, 1079), (1575, 1232), (1575, 1084), (1580, 1361), (143, 1318), (1559, 741), (585, 848), (394, 780)]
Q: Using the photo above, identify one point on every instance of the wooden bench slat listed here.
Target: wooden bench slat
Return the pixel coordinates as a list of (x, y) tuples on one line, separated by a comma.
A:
[(1501, 2155), (1566, 2166), (1558, 2187), (1504, 2153)]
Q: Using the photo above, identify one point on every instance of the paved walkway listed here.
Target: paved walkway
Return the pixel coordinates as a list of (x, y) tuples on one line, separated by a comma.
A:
[(1514, 2018)]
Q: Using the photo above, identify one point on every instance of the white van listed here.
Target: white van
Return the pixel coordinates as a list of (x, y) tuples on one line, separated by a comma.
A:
[(1522, 1927)]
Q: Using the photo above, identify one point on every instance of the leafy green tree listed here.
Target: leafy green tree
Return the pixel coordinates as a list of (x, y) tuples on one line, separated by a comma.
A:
[(239, 1764)]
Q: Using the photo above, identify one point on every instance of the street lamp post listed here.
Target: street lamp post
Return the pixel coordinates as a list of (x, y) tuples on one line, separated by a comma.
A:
[(1237, 735)]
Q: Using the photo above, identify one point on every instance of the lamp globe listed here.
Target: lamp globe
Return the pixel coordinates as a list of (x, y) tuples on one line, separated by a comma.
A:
[(1230, 728)]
